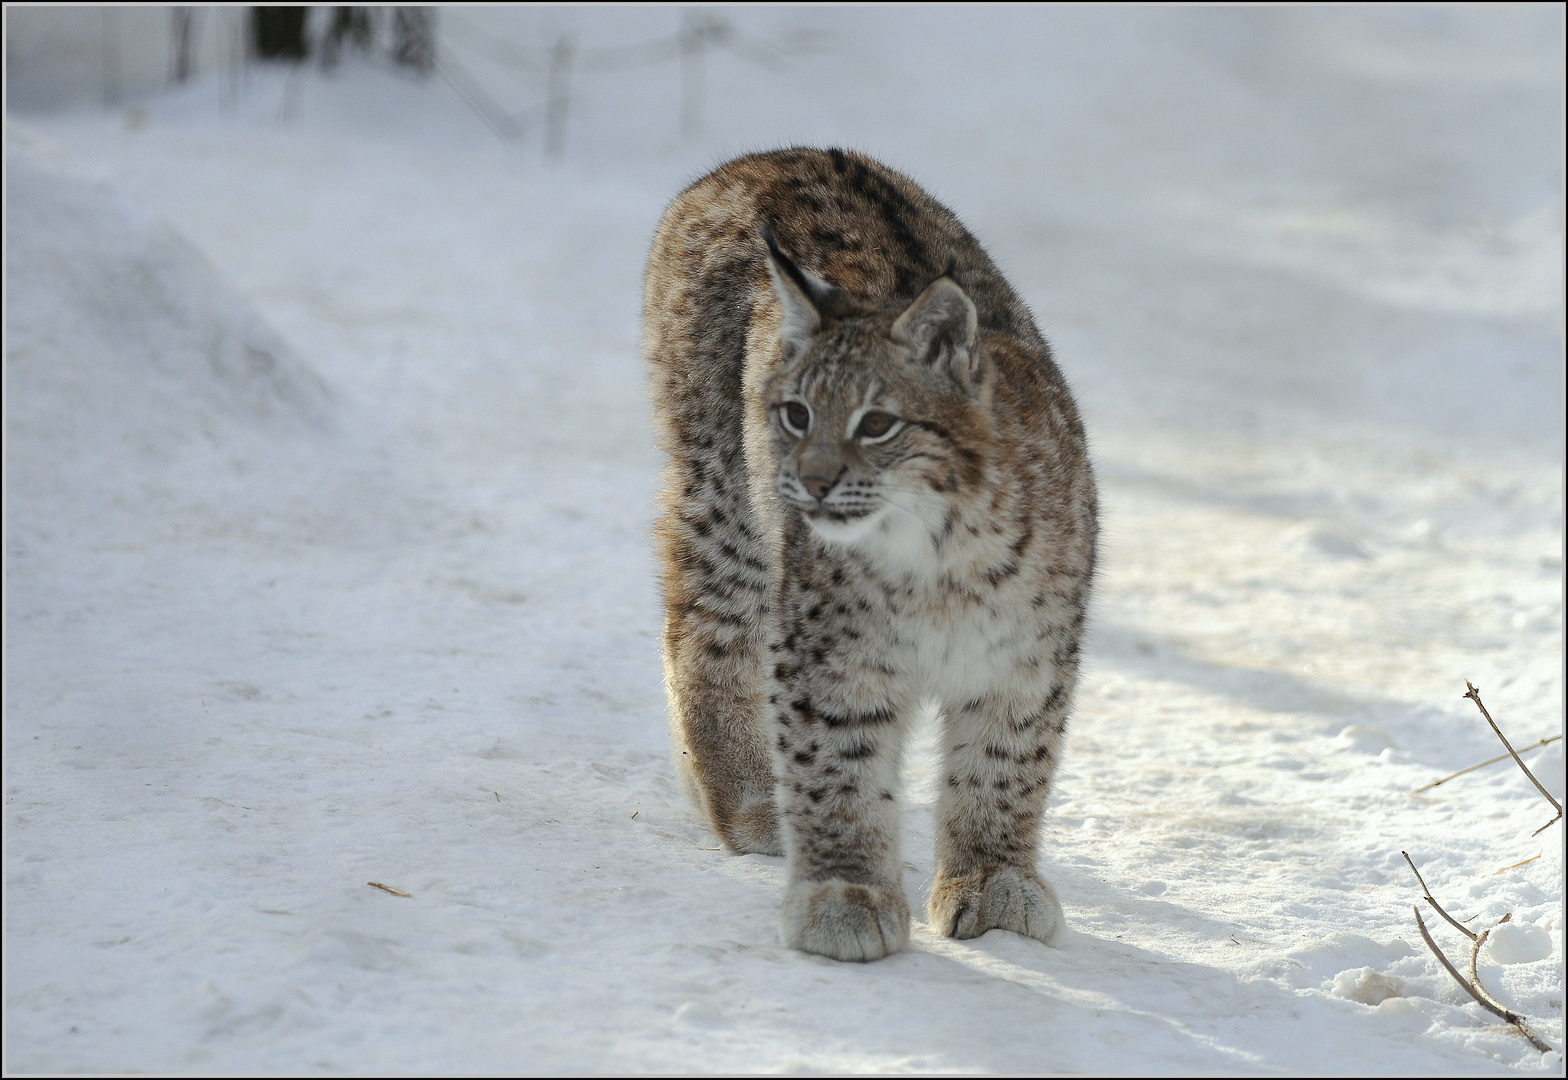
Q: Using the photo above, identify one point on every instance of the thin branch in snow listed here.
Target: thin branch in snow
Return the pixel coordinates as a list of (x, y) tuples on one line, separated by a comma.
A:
[(1472, 985), (1489, 761), (1488, 1000), (1475, 696), (1426, 936), (1426, 892), (388, 888)]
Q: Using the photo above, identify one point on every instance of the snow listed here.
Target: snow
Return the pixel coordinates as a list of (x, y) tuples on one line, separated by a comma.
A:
[(1518, 943), (329, 477)]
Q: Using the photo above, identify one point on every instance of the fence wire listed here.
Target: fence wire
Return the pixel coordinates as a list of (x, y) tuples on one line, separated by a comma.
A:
[(561, 61)]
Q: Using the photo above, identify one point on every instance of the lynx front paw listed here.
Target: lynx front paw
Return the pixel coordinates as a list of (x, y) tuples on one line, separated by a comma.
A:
[(999, 897), (845, 921)]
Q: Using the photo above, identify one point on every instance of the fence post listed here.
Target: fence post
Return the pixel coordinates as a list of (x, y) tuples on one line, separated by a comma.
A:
[(350, 26), (693, 43), (236, 54), (111, 57), (414, 38), (182, 33), (559, 91)]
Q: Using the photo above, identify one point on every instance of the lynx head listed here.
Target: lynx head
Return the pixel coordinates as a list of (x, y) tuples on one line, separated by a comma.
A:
[(880, 415)]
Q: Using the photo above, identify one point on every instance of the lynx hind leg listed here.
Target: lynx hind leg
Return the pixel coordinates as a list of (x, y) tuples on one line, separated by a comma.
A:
[(713, 645), (720, 756), (1000, 761)]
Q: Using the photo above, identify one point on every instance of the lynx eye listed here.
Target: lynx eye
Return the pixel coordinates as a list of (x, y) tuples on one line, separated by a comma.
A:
[(874, 425), (797, 417)]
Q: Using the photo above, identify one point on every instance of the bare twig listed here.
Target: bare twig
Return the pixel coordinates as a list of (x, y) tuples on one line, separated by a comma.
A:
[(1475, 695), (388, 888), (1426, 936), (1427, 893), (1489, 761), (1492, 1003), (1472, 986)]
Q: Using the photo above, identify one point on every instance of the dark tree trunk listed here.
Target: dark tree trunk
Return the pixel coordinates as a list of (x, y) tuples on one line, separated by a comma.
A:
[(182, 31), (278, 33), (414, 38), (350, 28)]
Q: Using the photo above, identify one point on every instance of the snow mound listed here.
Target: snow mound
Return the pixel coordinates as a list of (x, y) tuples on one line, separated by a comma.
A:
[(1367, 985), (1363, 738), (1322, 964), (1547, 765), (136, 376), (1518, 943), (1327, 539), (119, 329)]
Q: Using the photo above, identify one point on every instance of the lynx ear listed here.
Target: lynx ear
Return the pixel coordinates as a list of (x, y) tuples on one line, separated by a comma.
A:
[(939, 328), (802, 295)]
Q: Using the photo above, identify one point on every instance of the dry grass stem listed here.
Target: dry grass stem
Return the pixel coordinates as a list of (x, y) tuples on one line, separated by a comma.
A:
[(1475, 695), (1489, 761), (1427, 893), (388, 888), (1515, 866)]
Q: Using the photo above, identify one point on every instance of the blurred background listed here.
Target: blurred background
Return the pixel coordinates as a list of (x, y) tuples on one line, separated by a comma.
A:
[(1388, 179)]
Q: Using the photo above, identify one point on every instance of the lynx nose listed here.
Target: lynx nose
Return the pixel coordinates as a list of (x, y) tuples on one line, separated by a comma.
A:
[(818, 486)]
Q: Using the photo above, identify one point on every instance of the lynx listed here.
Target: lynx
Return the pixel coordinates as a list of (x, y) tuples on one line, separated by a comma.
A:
[(878, 498)]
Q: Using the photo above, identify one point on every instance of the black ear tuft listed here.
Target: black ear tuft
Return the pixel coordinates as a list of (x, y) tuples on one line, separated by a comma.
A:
[(801, 315), (822, 295), (807, 300)]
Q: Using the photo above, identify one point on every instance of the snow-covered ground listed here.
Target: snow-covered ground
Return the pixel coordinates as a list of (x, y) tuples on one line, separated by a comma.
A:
[(329, 476)]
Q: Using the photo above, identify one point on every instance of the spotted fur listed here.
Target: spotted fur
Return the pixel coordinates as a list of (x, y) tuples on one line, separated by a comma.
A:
[(878, 497)]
